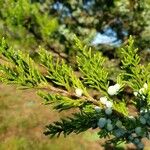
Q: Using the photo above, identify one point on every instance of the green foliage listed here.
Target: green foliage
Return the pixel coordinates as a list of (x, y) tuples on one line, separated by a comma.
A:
[(92, 67), (134, 72), (66, 90), (121, 107), (27, 24), (80, 122), (21, 69), (61, 102), (60, 73)]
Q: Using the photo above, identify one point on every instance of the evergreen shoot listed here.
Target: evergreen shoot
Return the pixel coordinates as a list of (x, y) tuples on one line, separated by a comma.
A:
[(63, 87)]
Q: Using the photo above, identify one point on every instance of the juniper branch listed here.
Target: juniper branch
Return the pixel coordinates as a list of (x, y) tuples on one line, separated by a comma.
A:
[(60, 73), (20, 69), (62, 92), (134, 73), (91, 66), (80, 122)]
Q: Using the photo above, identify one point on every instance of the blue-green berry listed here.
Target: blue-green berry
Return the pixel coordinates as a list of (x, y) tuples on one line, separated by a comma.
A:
[(131, 138), (138, 130), (108, 121), (146, 116), (136, 141), (109, 127), (140, 145), (102, 122), (142, 120), (119, 132), (108, 111)]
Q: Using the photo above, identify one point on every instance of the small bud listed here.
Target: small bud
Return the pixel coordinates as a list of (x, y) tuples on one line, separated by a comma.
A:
[(141, 91), (142, 110), (108, 111), (117, 86), (78, 92), (113, 90), (103, 100), (145, 86), (132, 118), (135, 93), (97, 108), (143, 97), (109, 104)]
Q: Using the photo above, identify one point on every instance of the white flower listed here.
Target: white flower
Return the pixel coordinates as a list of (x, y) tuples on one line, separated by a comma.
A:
[(117, 86), (97, 108), (143, 97), (102, 122), (108, 111), (113, 90), (109, 104), (145, 86), (141, 91), (143, 110), (78, 92), (109, 126), (135, 93), (103, 100)]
